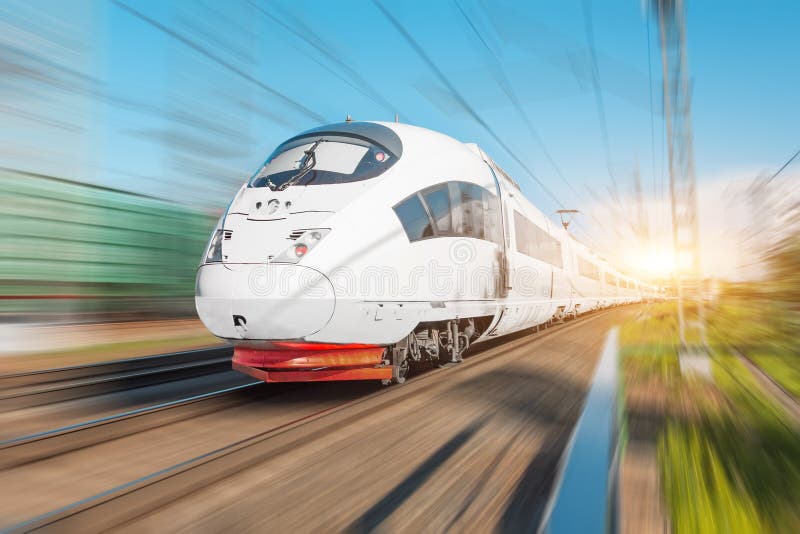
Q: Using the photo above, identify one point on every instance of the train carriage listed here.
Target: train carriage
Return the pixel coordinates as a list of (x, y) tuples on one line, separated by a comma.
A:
[(361, 250)]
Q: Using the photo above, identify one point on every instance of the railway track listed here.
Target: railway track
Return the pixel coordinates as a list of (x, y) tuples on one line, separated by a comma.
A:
[(35, 388), (40, 445), (126, 501), (772, 387)]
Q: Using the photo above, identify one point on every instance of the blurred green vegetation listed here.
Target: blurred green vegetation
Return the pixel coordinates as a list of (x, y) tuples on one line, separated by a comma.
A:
[(94, 244), (766, 330), (729, 456), (783, 263)]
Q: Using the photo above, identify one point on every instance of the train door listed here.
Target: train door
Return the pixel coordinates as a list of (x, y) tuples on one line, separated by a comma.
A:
[(499, 215), (561, 292), (565, 286), (529, 299)]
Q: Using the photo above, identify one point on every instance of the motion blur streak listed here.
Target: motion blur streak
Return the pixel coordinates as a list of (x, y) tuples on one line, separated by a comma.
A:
[(97, 249)]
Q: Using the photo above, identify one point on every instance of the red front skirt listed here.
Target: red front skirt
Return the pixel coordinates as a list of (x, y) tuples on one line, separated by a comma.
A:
[(289, 361)]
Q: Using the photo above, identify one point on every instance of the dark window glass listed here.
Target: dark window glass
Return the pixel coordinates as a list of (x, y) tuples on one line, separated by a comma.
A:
[(414, 218), (455, 209), (535, 242), (438, 201)]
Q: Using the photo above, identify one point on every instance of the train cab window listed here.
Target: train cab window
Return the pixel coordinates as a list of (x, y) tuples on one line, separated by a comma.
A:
[(414, 218), (323, 159), (438, 201)]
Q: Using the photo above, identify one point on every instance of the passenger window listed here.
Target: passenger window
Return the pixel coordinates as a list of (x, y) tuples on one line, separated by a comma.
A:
[(588, 269), (535, 242), (468, 217), (492, 223), (438, 201), (414, 218), (451, 209), (476, 201)]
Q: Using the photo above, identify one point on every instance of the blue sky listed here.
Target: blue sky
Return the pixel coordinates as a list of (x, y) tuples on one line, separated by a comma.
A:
[(190, 92), (744, 63)]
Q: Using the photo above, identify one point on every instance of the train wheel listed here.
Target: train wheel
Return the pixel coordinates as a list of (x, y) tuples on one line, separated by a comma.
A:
[(402, 370), (402, 356)]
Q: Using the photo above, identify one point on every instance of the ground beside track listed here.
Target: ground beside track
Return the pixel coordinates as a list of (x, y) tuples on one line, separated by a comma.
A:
[(31, 347), (476, 450)]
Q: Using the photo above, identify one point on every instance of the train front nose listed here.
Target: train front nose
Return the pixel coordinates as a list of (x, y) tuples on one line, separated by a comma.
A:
[(263, 301)]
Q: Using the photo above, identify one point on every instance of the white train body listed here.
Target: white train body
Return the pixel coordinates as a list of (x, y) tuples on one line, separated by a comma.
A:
[(379, 231)]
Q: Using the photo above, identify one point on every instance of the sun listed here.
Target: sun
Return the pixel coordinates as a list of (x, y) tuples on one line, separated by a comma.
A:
[(658, 263)]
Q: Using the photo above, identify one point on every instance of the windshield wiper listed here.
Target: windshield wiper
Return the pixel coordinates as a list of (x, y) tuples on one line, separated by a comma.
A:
[(311, 161)]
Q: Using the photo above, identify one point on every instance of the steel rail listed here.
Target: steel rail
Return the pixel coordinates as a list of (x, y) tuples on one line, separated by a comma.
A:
[(23, 390), (76, 371), (126, 501), (40, 445)]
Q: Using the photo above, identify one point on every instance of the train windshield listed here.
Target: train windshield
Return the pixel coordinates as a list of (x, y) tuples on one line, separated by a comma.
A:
[(322, 160)]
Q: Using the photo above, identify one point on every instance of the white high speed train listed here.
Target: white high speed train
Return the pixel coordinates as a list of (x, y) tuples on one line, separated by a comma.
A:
[(360, 250)]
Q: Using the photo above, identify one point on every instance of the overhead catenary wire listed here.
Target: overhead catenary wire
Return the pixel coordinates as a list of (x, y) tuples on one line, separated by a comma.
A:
[(220, 61), (460, 98), (504, 83), (351, 77), (600, 105), (652, 122), (368, 90), (508, 89), (598, 93), (783, 167)]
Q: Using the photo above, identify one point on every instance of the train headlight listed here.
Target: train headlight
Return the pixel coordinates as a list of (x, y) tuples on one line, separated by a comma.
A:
[(300, 250), (214, 251), (302, 246)]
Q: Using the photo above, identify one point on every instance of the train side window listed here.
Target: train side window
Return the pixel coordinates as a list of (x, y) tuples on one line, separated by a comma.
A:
[(492, 219), (468, 217), (475, 195), (438, 201), (588, 269), (414, 218), (536, 242), (451, 209)]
